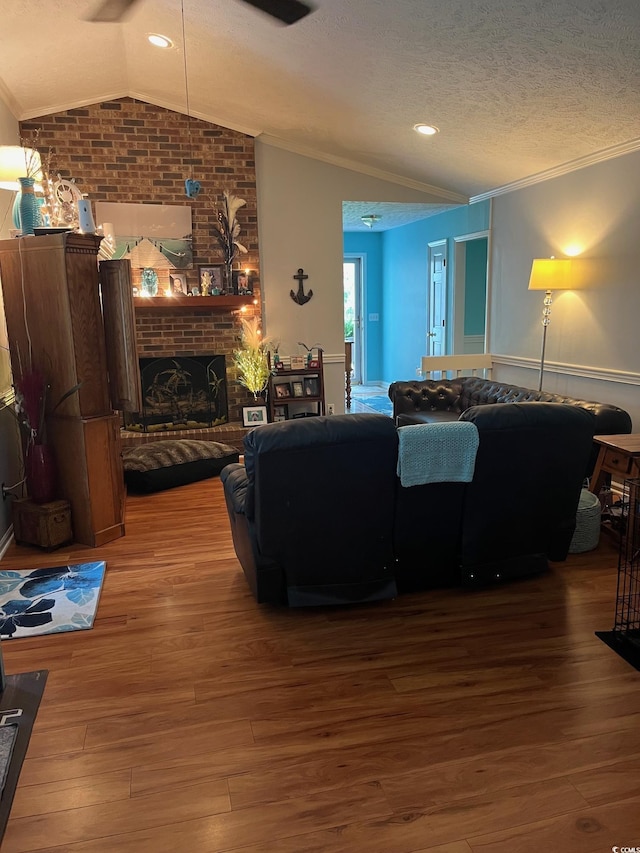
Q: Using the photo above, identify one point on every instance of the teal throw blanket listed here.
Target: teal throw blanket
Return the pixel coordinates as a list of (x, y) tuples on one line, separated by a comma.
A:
[(437, 453)]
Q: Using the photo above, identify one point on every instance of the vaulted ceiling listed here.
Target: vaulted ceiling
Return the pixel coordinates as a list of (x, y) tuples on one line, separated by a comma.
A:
[(516, 87)]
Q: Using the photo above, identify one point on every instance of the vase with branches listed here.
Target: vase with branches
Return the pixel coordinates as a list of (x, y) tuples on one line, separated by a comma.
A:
[(31, 392), (227, 231)]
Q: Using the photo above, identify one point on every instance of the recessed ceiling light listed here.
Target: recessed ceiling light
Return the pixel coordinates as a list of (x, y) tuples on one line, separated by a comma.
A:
[(159, 41), (425, 129)]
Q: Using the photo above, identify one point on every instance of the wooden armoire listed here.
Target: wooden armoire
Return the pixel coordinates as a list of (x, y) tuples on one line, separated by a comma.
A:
[(55, 322)]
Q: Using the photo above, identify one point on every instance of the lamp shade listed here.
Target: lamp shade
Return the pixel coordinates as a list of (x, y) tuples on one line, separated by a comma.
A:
[(14, 160), (550, 274)]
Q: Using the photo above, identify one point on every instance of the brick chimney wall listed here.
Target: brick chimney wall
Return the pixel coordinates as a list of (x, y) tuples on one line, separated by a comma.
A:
[(130, 151)]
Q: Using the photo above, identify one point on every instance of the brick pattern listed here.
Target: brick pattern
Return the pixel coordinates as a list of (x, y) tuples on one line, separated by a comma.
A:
[(130, 151)]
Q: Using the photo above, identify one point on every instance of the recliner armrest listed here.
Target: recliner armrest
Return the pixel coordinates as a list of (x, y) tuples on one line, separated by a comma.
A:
[(236, 484)]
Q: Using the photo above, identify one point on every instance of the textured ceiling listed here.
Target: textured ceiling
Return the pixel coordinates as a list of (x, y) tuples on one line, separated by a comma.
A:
[(517, 87)]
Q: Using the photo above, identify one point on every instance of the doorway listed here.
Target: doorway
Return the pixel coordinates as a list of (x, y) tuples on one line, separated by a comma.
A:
[(352, 277), (470, 293)]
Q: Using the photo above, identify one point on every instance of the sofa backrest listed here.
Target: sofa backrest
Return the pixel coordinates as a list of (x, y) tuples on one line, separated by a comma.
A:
[(321, 496), (521, 505)]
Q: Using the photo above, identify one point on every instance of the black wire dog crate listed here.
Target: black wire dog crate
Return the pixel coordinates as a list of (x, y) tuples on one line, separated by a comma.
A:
[(625, 637)]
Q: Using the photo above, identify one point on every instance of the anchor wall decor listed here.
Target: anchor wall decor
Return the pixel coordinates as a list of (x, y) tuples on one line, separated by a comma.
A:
[(300, 296)]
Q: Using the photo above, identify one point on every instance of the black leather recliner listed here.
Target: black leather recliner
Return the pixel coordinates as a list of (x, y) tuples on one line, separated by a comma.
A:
[(520, 508), (312, 509)]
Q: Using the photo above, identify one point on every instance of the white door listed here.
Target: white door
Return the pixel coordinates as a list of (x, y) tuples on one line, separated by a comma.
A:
[(352, 282), (437, 299)]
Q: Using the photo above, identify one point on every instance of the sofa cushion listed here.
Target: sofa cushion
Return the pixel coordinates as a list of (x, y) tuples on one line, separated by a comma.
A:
[(162, 465)]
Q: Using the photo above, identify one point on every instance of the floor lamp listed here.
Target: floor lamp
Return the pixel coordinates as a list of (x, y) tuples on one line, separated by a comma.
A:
[(548, 274)]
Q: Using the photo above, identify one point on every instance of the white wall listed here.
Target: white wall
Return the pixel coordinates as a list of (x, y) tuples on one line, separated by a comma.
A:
[(300, 225), (592, 350), (9, 454)]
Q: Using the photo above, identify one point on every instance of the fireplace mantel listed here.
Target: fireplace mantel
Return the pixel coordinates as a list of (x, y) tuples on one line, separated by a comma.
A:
[(188, 303)]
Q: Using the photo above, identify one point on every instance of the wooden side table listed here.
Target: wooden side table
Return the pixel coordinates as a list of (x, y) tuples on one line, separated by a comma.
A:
[(619, 454)]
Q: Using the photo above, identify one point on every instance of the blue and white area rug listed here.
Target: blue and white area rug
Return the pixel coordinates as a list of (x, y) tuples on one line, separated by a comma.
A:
[(48, 601), (379, 402)]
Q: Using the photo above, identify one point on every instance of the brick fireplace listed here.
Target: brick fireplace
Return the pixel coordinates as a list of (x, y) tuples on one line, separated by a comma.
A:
[(126, 150)]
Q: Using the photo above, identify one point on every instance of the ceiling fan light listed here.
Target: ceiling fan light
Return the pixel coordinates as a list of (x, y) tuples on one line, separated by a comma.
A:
[(426, 129), (159, 40), (370, 219)]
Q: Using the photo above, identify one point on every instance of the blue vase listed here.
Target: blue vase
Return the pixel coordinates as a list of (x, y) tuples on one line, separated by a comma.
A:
[(29, 208), (150, 281)]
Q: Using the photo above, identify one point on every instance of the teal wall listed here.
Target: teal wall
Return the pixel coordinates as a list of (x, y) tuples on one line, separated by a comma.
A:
[(475, 286), (369, 246), (404, 316), (396, 287)]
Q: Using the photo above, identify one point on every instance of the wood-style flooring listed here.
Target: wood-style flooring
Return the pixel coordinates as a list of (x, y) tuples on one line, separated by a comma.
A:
[(192, 720)]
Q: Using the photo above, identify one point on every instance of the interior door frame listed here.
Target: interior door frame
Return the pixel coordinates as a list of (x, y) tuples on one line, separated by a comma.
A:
[(359, 330), (457, 291)]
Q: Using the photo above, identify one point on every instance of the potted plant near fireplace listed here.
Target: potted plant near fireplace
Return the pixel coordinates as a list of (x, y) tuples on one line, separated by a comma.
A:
[(251, 358)]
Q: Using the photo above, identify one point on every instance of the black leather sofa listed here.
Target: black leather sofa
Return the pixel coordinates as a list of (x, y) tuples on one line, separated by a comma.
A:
[(437, 400), (318, 514)]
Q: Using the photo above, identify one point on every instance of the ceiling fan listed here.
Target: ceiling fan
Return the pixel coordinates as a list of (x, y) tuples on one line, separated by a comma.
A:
[(287, 11)]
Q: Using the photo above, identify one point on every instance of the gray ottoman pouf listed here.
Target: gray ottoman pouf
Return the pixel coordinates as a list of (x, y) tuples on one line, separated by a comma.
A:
[(162, 465), (587, 532)]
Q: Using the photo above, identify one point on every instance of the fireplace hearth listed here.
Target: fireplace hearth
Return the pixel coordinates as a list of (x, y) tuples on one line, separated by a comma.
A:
[(181, 393)]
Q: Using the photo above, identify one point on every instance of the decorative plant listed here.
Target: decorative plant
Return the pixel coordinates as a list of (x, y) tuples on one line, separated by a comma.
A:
[(31, 391), (251, 357), (228, 229)]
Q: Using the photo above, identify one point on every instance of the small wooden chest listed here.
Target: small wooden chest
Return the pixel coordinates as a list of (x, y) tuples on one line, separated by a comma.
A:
[(45, 525)]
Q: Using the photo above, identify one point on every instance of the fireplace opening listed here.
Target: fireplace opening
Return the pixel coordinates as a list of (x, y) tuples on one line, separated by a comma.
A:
[(179, 393)]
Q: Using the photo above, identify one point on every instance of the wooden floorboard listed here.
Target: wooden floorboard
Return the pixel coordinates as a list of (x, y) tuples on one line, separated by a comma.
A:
[(448, 721)]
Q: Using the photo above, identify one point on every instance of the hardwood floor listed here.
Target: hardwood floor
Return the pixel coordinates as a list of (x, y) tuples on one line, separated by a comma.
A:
[(191, 719)]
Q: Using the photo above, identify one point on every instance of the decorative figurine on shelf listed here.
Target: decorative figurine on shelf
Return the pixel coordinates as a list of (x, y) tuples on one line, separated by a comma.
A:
[(205, 283), (149, 281)]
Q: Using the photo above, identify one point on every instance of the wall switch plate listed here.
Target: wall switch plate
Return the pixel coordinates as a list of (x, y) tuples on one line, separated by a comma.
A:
[(373, 318), (331, 409)]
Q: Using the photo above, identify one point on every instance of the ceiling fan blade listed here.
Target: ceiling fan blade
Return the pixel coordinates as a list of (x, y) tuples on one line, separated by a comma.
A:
[(287, 11), (112, 11)]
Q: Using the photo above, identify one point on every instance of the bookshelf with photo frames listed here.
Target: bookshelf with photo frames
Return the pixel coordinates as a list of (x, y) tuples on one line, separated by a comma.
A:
[(296, 389)]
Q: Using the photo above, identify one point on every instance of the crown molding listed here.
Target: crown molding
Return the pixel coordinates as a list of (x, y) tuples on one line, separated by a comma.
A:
[(624, 377), (147, 99), (562, 169), (370, 171)]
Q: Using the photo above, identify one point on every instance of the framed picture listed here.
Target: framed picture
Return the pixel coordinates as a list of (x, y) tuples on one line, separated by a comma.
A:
[(178, 282), (254, 415), (297, 362), (149, 235), (297, 389), (311, 386), (279, 413), (242, 282), (211, 279), (282, 389)]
